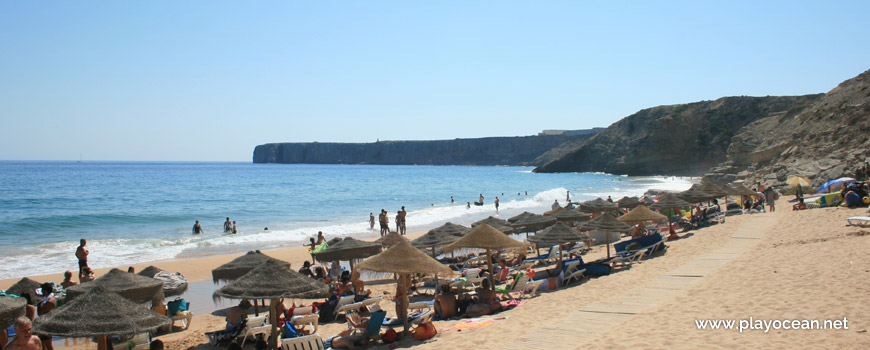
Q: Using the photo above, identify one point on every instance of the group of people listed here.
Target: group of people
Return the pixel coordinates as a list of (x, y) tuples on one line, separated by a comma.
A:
[(24, 337), (229, 227), (384, 221)]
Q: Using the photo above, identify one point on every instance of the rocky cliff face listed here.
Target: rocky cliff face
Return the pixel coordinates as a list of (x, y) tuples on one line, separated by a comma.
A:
[(527, 150), (823, 140), (687, 139)]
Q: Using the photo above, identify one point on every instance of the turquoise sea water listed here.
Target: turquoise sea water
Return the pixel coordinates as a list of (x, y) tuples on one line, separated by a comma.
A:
[(134, 212)]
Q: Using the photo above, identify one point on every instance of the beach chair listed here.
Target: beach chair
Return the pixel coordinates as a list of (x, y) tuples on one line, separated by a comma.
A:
[(184, 316), (858, 220), (551, 255), (305, 342), (373, 331), (254, 326), (519, 283), (475, 261), (472, 273), (420, 306), (138, 342), (345, 300), (303, 321)]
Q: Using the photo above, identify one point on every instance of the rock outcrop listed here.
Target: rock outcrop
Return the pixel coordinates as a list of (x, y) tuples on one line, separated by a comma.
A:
[(824, 140), (521, 150), (687, 139)]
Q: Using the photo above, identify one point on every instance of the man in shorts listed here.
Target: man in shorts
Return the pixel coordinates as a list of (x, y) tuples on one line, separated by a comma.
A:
[(82, 255)]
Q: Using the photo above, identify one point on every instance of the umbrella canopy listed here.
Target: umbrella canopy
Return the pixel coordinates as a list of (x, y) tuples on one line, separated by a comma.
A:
[(24, 285), (173, 283), (434, 239), (797, 180), (669, 201), (557, 234), (533, 222), (835, 185), (694, 195), (137, 288), (745, 191), (99, 312), (489, 238), (562, 214), (499, 224), (391, 239), (519, 217), (714, 190), (348, 249), (641, 214), (271, 280), (608, 223), (597, 205), (10, 309), (731, 190), (628, 202), (238, 267)]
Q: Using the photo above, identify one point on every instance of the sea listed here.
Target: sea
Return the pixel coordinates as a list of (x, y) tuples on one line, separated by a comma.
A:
[(138, 212)]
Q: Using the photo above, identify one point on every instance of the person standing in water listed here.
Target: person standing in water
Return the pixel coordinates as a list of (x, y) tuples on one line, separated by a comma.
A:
[(234, 227), (372, 221), (496, 204), (228, 226), (197, 229), (82, 255), (401, 218), (481, 199)]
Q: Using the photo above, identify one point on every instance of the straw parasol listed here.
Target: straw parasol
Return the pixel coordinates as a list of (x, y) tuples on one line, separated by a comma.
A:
[(745, 191), (669, 201), (641, 214), (273, 280), (10, 309), (694, 195), (533, 222), (99, 313), (405, 260), (714, 190), (24, 285), (606, 223), (348, 249), (519, 217), (558, 234), (597, 205), (139, 289), (173, 282), (489, 238), (238, 267), (499, 224), (563, 214), (391, 239), (628, 202), (438, 237)]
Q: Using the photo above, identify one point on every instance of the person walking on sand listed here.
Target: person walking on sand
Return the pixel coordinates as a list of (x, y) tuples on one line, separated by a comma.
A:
[(372, 221), (82, 255), (228, 226), (197, 229), (496, 204)]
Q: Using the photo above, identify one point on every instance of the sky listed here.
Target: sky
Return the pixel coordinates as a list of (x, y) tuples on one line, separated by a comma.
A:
[(210, 80)]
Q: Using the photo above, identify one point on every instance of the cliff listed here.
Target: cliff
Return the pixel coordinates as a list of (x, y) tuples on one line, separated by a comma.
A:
[(520, 150), (687, 139), (823, 140)]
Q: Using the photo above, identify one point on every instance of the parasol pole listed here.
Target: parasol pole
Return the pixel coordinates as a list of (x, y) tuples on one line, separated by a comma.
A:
[(491, 272), (402, 279), (273, 318)]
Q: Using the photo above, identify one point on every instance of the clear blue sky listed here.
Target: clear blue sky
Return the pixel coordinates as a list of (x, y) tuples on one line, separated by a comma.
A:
[(209, 80)]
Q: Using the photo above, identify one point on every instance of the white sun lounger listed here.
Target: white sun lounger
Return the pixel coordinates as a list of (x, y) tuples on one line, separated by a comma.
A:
[(858, 220)]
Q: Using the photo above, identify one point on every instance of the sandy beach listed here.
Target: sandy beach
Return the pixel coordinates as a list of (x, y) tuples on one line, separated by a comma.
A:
[(786, 265)]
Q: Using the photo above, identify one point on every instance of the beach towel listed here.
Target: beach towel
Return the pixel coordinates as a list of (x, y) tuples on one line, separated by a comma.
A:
[(474, 323), (512, 303)]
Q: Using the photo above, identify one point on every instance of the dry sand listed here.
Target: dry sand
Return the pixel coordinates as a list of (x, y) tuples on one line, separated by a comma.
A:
[(773, 266)]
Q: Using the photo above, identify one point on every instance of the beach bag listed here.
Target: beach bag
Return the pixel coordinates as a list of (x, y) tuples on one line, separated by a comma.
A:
[(425, 331), (177, 305), (290, 331), (389, 336)]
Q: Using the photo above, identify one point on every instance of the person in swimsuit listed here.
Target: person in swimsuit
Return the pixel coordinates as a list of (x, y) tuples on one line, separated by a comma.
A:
[(24, 339), (234, 228), (496, 204), (228, 226), (197, 229), (82, 255), (371, 221), (401, 218)]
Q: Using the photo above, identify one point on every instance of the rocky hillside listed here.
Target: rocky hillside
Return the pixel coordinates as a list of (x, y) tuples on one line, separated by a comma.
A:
[(822, 140), (525, 150), (687, 139)]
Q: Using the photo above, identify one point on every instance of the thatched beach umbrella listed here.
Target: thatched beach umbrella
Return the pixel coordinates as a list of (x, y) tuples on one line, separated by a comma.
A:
[(607, 223), (273, 280), (489, 238), (714, 190), (519, 217), (139, 289), (641, 214), (533, 223), (404, 260), (10, 309), (99, 313), (558, 234), (669, 201), (563, 214), (391, 239), (349, 249), (434, 239), (597, 205), (173, 282), (745, 191), (499, 224), (238, 267), (24, 285), (628, 202), (694, 195)]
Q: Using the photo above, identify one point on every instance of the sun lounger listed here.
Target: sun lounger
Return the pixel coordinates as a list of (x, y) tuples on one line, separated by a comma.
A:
[(419, 306), (520, 281), (858, 220), (301, 322), (551, 255), (306, 342), (138, 342), (345, 300), (184, 316), (531, 288), (254, 326)]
